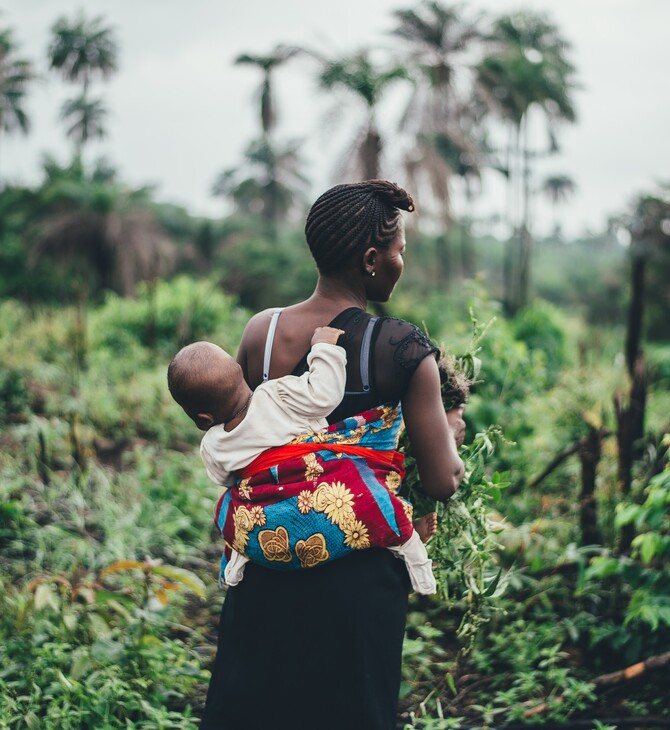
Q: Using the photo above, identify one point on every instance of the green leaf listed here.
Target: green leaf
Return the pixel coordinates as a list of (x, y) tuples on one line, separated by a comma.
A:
[(184, 577), (103, 598), (649, 545), (626, 513), (106, 650), (491, 588), (31, 721), (45, 597)]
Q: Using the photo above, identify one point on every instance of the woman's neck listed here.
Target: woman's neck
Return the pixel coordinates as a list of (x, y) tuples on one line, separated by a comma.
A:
[(338, 292)]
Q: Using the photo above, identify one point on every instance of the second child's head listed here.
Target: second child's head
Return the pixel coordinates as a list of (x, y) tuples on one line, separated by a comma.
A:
[(207, 383)]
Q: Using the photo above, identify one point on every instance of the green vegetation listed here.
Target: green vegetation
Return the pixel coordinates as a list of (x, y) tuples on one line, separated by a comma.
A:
[(552, 558)]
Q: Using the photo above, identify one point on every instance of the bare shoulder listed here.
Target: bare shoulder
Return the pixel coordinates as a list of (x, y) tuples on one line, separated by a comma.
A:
[(252, 343), (257, 327)]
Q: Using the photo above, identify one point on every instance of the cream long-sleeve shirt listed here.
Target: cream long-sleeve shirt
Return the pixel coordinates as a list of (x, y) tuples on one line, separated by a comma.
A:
[(279, 411)]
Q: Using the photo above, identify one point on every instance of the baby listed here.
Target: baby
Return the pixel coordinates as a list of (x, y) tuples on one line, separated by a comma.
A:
[(241, 424)]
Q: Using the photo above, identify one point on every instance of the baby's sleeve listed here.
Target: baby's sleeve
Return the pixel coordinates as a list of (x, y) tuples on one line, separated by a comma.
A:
[(317, 392), (215, 471)]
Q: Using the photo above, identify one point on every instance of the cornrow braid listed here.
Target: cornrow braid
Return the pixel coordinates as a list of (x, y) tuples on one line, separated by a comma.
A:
[(347, 219)]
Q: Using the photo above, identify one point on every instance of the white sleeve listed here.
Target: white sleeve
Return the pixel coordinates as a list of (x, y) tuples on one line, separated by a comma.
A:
[(316, 393), (215, 470)]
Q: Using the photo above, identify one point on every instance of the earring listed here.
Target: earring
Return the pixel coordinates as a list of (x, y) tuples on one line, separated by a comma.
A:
[(372, 273)]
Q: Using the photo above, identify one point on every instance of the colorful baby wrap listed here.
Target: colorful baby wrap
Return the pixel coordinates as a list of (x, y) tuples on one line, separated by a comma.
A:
[(323, 496)]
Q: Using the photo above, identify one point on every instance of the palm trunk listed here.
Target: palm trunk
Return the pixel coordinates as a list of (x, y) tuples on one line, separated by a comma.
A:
[(468, 254), (630, 416), (370, 153), (525, 239), (510, 267)]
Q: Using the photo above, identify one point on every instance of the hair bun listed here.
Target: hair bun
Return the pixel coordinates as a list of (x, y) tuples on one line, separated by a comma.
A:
[(391, 193)]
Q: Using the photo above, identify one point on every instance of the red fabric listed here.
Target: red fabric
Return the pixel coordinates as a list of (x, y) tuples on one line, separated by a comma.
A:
[(273, 457)]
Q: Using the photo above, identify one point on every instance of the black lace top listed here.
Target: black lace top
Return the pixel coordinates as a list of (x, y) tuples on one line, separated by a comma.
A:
[(396, 348)]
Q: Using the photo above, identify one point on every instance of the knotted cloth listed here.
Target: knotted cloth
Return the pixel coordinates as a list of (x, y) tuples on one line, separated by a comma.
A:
[(320, 497)]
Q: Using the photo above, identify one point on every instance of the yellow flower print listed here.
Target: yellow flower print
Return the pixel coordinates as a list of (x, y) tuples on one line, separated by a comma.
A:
[(244, 489), (336, 501), (314, 469), (242, 520), (274, 544), (389, 415), (305, 501), (356, 535), (393, 481), (409, 510), (312, 551), (319, 497), (240, 542), (258, 516)]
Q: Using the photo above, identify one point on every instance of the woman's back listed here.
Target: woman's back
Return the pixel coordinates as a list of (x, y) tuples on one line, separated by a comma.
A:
[(382, 354)]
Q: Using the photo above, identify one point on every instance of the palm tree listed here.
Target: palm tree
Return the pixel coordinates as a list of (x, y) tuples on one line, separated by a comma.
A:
[(357, 75), (15, 75), (267, 64), (440, 42), (269, 182), (527, 69), (86, 117), (443, 117), (558, 188), (83, 50)]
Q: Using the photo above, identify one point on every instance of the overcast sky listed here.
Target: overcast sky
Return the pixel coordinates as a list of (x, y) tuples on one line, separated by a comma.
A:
[(180, 111)]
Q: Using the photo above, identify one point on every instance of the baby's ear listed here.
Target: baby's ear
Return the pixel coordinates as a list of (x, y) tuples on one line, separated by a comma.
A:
[(204, 421)]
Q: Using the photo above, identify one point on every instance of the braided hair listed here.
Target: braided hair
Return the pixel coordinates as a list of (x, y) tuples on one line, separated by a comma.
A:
[(347, 219)]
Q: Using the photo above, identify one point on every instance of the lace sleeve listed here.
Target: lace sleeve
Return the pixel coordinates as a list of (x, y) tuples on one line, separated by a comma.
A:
[(399, 349)]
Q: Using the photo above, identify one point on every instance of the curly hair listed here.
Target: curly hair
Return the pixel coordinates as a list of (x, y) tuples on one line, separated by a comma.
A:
[(349, 218)]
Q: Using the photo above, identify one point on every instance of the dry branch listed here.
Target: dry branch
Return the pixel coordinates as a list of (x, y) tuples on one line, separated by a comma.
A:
[(633, 671), (561, 457), (606, 680)]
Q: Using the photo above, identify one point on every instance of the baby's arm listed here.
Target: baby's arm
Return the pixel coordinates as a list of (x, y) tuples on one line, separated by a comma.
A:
[(316, 393)]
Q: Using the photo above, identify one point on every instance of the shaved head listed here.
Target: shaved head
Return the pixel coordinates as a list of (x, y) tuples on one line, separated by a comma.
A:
[(202, 378)]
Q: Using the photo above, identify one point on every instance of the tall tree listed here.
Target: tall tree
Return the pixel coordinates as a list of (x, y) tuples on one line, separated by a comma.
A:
[(527, 68), (440, 40), (558, 188), (267, 64), (15, 75), (649, 228), (269, 182), (85, 118), (83, 50), (358, 76)]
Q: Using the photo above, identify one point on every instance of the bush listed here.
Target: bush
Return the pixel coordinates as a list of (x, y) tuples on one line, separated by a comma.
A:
[(167, 315), (538, 326)]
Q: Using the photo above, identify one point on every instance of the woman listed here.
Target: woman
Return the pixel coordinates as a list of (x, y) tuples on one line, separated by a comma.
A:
[(320, 649)]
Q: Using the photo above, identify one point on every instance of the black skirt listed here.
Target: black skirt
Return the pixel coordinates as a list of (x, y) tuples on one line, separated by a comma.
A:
[(316, 649)]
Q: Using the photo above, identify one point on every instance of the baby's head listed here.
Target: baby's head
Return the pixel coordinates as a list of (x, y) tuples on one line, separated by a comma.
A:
[(207, 383)]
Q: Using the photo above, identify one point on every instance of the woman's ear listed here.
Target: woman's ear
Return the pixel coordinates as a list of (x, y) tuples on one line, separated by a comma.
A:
[(369, 260)]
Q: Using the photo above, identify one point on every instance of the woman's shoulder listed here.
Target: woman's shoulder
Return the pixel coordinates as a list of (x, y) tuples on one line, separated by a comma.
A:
[(407, 343), (256, 328)]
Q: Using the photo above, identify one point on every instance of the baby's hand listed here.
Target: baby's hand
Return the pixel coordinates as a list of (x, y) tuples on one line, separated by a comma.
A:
[(457, 424), (326, 334)]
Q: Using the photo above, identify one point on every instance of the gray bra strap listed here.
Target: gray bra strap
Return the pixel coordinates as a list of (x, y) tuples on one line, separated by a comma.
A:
[(268, 343), (365, 354)]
